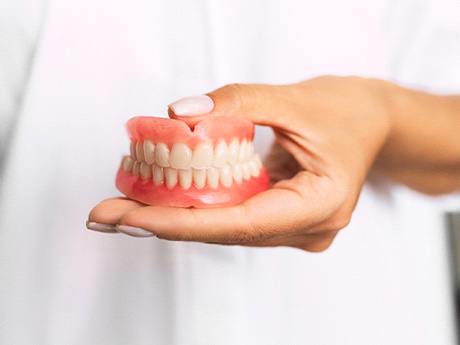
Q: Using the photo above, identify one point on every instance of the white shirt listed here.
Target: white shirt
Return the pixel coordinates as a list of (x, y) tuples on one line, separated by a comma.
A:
[(89, 65)]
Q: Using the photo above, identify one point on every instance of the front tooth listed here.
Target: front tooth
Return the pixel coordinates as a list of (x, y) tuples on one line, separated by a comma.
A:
[(127, 163), (237, 173), (149, 152), (253, 167), (202, 156), (136, 168), (226, 176), (158, 176), (246, 171), (145, 171), (180, 156), (162, 155), (220, 154), (171, 177), (213, 177), (185, 178), (199, 178), (139, 151), (132, 149), (243, 150), (233, 151)]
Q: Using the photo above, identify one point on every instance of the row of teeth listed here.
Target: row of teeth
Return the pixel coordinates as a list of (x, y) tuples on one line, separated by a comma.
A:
[(180, 156), (211, 176)]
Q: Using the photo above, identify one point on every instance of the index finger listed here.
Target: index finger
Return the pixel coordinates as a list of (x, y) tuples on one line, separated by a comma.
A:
[(290, 207)]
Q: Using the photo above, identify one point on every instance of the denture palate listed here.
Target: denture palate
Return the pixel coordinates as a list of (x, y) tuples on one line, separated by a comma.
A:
[(204, 165)]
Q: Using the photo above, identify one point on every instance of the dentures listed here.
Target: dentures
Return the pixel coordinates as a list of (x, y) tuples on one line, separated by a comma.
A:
[(172, 165)]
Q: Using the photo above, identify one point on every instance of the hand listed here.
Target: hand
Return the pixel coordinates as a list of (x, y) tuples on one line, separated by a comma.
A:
[(328, 131)]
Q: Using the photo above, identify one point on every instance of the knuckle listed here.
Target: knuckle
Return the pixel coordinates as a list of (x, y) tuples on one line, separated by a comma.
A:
[(339, 222), (318, 245), (240, 94)]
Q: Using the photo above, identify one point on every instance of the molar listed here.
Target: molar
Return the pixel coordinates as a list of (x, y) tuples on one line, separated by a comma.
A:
[(202, 156), (258, 161), (253, 167), (171, 177), (136, 168), (149, 152), (139, 151), (162, 155), (145, 171), (132, 150), (246, 171), (127, 163), (180, 156)]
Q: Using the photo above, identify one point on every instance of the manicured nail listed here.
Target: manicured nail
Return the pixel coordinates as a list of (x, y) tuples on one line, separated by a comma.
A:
[(133, 231), (100, 227), (194, 105)]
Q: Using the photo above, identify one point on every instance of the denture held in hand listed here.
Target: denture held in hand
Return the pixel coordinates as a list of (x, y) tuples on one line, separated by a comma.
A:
[(212, 164)]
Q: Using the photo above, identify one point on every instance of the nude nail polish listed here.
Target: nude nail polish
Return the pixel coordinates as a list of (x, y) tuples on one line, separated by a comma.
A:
[(133, 231), (194, 105), (108, 228)]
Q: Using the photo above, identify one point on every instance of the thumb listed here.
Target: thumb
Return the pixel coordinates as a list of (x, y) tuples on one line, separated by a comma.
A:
[(258, 103)]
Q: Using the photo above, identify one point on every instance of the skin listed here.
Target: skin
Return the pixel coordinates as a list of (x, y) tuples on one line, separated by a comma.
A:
[(331, 134)]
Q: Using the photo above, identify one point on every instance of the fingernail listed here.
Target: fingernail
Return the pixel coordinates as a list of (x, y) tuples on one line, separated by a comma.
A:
[(133, 231), (194, 105), (100, 227)]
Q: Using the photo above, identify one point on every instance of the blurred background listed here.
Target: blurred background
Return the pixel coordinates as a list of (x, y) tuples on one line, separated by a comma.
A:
[(73, 72)]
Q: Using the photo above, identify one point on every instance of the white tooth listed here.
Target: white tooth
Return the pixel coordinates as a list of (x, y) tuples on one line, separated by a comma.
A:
[(139, 151), (171, 177), (213, 177), (220, 154), (185, 178), (233, 151), (180, 156), (145, 171), (246, 171), (162, 155), (237, 173), (226, 176), (158, 176), (149, 152), (253, 167), (202, 156), (136, 168), (250, 150), (243, 150), (258, 161), (199, 178), (127, 163), (132, 149)]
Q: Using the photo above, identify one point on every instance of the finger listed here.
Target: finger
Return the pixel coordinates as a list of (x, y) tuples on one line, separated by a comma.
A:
[(261, 104), (111, 210), (292, 206)]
